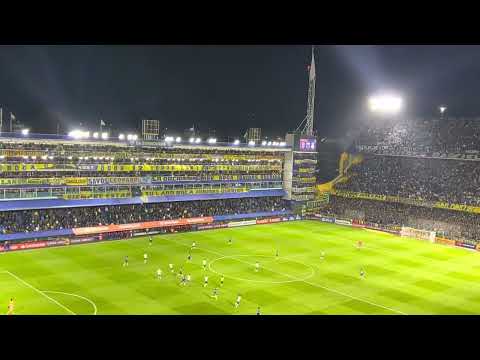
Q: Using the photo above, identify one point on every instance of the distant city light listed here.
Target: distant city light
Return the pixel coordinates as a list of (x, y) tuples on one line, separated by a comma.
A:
[(121, 137), (386, 104), (25, 131), (236, 142)]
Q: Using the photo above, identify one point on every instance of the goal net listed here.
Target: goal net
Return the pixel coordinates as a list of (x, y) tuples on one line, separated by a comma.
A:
[(418, 234)]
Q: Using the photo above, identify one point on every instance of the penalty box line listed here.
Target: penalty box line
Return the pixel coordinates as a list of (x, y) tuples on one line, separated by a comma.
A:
[(38, 291), (300, 280)]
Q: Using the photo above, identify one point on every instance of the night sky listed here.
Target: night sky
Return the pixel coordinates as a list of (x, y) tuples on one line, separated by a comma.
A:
[(229, 88)]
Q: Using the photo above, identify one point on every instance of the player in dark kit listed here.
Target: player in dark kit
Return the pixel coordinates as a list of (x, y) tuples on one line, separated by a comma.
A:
[(189, 257), (258, 310), (125, 262), (150, 240)]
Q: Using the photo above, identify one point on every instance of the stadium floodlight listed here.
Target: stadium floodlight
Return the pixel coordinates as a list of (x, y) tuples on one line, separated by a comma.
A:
[(44, 157), (275, 143), (178, 139), (76, 134), (25, 132), (264, 143), (191, 140), (95, 135), (2, 157), (385, 104), (104, 135), (236, 142), (251, 143), (198, 140), (121, 137), (269, 143), (283, 143), (212, 141), (69, 158), (168, 139), (134, 137)]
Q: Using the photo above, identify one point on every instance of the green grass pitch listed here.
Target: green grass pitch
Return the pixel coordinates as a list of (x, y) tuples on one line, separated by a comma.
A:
[(403, 276)]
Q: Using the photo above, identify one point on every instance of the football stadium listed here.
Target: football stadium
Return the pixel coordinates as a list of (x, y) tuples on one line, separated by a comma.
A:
[(116, 223)]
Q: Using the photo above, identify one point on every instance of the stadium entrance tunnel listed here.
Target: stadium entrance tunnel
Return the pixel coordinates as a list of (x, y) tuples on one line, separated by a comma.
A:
[(271, 270)]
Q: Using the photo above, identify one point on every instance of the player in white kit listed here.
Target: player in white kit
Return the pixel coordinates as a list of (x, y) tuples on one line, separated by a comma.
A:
[(159, 274), (170, 266), (145, 258), (257, 266), (237, 303), (205, 283), (204, 263)]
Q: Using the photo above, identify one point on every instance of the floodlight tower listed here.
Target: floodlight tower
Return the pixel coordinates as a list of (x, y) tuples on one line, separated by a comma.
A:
[(442, 109), (308, 129)]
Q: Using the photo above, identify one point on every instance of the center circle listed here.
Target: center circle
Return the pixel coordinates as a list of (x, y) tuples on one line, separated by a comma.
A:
[(270, 267)]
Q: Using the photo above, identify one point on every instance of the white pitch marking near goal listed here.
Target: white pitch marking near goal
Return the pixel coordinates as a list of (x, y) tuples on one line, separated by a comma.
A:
[(75, 295), (300, 280), (40, 292)]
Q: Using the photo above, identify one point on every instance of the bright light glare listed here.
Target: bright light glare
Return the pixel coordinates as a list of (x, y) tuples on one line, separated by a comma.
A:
[(191, 140), (198, 140), (212, 141), (178, 139), (169, 139), (121, 137), (283, 143), (236, 142), (442, 109), (105, 136), (251, 143), (385, 104), (264, 143), (95, 135), (25, 131), (79, 134)]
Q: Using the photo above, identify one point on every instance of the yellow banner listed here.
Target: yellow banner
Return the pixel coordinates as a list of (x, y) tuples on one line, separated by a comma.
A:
[(458, 207)]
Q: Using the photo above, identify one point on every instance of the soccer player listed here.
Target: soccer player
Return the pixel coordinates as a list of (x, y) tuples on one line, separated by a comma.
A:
[(237, 303), (150, 240), (184, 280), (159, 274), (170, 266), (189, 257), (215, 293), (221, 280), (194, 244), (322, 255), (204, 263), (189, 278), (362, 273), (125, 261), (11, 306), (205, 283), (359, 244), (145, 258), (258, 310), (230, 241), (180, 272), (276, 255), (257, 266)]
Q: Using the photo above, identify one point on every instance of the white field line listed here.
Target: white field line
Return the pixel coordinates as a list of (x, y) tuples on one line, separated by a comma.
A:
[(76, 295), (300, 280), (40, 292)]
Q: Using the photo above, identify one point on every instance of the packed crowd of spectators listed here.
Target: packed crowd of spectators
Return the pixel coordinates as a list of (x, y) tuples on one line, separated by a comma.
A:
[(420, 136), (53, 219), (453, 224), (452, 181)]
